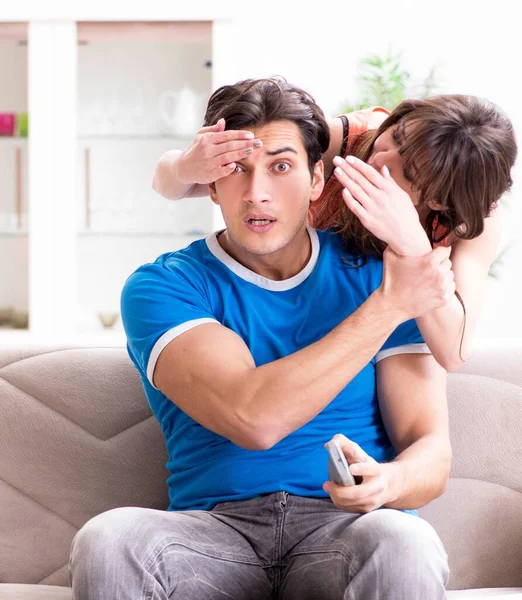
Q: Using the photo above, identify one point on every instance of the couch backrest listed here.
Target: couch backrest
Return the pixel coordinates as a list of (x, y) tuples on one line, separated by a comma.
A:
[(77, 438), (479, 517)]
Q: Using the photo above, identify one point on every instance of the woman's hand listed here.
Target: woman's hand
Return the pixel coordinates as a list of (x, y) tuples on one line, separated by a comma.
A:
[(382, 206), (213, 153), (369, 495)]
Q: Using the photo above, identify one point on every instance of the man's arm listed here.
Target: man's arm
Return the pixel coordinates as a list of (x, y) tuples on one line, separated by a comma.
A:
[(412, 397), (210, 374)]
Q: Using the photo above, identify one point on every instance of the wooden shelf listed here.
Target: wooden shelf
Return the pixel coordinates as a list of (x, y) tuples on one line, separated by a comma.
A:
[(11, 139)]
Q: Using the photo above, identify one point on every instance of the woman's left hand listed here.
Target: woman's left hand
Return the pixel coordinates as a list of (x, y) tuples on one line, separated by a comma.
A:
[(382, 206)]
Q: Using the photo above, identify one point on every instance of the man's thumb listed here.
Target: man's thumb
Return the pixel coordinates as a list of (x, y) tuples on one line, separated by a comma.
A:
[(220, 125)]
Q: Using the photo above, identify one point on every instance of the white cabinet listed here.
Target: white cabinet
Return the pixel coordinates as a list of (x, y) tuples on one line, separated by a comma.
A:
[(13, 185), (97, 96), (116, 196)]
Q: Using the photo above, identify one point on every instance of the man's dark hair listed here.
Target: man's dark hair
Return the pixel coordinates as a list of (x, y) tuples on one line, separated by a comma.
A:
[(257, 102)]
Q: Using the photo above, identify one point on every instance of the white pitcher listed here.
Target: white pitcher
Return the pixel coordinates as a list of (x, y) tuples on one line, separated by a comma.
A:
[(182, 111)]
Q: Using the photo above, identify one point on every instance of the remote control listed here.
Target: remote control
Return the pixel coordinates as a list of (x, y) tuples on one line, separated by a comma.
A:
[(338, 470)]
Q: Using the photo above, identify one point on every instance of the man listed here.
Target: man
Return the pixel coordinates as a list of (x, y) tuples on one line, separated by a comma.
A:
[(255, 347)]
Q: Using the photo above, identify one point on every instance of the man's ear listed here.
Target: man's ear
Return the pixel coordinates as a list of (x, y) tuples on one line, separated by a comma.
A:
[(212, 193), (317, 181)]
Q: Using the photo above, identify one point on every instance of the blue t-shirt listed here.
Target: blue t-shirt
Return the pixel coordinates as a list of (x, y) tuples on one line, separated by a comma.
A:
[(203, 284)]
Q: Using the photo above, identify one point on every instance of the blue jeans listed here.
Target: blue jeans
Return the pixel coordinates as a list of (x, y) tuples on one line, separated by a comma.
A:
[(274, 546)]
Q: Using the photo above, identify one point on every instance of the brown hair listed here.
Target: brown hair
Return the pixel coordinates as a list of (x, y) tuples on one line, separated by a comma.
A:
[(458, 153), (256, 102)]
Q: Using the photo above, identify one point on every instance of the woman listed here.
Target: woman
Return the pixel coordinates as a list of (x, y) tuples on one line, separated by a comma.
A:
[(431, 172)]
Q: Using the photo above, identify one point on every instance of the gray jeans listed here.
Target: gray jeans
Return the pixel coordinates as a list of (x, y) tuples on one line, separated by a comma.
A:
[(274, 546)]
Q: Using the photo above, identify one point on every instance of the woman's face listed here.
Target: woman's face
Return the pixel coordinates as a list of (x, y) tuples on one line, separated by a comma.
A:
[(386, 153)]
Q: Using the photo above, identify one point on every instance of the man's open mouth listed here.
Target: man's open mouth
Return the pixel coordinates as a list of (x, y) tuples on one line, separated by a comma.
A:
[(260, 221)]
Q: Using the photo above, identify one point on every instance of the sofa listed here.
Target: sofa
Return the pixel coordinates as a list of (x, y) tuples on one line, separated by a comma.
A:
[(77, 438)]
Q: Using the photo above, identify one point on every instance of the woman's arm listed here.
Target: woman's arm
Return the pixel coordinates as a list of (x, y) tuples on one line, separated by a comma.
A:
[(167, 182), (211, 155), (186, 174), (442, 329), (387, 211)]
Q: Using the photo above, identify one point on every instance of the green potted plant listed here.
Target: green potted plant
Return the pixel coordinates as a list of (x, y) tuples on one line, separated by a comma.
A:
[(383, 81)]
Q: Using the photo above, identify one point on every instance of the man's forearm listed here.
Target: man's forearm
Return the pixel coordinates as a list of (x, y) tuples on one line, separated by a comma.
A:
[(419, 474), (283, 395), (166, 181)]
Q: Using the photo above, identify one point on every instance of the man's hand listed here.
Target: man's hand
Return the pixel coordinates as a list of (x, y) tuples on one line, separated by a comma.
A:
[(384, 208), (417, 285), (372, 493), (213, 153)]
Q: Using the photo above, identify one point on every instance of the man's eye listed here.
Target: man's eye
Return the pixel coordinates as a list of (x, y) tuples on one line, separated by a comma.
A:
[(282, 167)]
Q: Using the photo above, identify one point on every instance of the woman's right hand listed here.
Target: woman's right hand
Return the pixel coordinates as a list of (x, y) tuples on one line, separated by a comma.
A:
[(213, 154)]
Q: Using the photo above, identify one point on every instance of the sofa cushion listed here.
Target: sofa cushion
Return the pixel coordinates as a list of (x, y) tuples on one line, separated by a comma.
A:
[(479, 518), (77, 438), (491, 593), (14, 591), (48, 592)]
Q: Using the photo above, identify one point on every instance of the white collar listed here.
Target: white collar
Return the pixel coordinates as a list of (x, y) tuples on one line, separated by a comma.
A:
[(263, 282)]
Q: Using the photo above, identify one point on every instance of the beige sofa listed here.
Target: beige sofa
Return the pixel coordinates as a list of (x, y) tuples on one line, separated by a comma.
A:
[(77, 438)]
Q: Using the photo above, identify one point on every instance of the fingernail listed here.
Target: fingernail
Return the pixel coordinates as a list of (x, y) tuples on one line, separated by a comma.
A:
[(350, 159), (248, 150), (249, 136), (258, 143), (355, 469), (385, 171), (337, 160), (338, 171)]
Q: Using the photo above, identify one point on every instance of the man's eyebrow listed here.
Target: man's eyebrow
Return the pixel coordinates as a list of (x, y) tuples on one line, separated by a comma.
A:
[(281, 150)]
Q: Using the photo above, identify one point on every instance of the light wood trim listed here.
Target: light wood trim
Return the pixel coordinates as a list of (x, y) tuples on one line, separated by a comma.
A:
[(13, 32), (19, 187), (176, 31), (87, 188), (133, 31)]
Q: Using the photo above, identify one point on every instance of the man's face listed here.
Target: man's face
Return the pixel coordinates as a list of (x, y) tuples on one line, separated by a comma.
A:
[(265, 201)]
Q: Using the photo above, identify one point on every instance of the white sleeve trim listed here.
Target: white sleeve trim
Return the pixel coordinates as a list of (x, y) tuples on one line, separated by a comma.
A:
[(406, 349), (165, 339)]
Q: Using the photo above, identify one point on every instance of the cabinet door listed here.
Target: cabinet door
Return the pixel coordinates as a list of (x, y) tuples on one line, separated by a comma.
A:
[(13, 185), (115, 188)]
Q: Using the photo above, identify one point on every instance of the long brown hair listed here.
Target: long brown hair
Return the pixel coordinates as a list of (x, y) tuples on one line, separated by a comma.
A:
[(458, 152)]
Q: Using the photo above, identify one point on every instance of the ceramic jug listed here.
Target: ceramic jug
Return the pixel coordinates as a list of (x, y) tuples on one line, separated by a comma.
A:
[(182, 111)]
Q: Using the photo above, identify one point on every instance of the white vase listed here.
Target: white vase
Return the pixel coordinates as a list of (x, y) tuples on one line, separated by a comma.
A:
[(182, 111)]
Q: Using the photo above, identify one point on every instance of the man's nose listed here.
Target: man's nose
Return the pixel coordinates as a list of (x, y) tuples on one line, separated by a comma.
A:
[(258, 189)]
